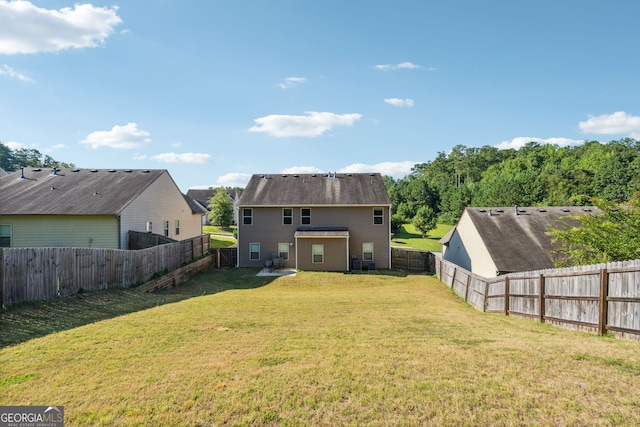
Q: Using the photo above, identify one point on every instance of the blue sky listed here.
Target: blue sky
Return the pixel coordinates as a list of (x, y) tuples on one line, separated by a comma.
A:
[(215, 91)]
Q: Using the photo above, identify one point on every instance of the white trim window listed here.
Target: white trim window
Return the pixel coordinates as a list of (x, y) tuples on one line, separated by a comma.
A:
[(247, 216), (177, 227), (305, 216), (166, 229), (287, 216), (283, 251), (378, 216), (5, 235), (367, 251), (254, 251), (317, 252)]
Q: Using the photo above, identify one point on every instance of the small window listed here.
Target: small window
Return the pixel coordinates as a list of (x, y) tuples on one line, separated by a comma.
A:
[(367, 251), (378, 216), (318, 253), (305, 216), (247, 216), (177, 227), (254, 251), (166, 229), (287, 216), (5, 236), (149, 227), (283, 251)]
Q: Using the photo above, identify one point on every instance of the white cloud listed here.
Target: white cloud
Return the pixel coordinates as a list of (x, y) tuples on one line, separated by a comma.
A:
[(312, 125), (401, 66), (302, 169), (290, 82), (398, 102), (139, 156), (396, 170), (192, 158), (13, 145), (123, 137), (27, 28), (610, 124), (234, 179), (521, 141), (177, 144), (5, 70), (54, 148)]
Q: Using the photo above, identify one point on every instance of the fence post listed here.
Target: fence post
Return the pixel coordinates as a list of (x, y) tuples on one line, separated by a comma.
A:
[(466, 291), (453, 278), (604, 306), (506, 296), (1, 277), (486, 295), (541, 304)]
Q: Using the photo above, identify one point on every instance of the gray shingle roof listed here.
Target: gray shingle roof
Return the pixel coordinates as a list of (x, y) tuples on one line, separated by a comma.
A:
[(315, 190), (72, 191), (519, 242)]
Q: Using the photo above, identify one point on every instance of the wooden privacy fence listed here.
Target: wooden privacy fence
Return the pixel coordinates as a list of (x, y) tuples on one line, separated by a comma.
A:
[(409, 259), (37, 274), (594, 298)]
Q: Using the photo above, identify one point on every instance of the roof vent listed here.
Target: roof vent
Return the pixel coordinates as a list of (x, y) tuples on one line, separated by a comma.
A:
[(565, 210), (542, 210), (483, 210), (146, 171), (37, 170), (75, 170), (296, 176), (314, 175), (55, 172), (94, 170), (499, 210), (284, 175), (128, 170), (22, 173), (112, 170), (349, 174), (586, 209)]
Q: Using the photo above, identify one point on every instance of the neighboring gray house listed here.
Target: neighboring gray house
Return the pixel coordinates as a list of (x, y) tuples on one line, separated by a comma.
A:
[(92, 207), (202, 197), (3, 172), (321, 222), (495, 241)]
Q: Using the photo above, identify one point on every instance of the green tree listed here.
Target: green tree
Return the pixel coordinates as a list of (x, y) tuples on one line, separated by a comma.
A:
[(221, 209), (425, 220), (612, 235)]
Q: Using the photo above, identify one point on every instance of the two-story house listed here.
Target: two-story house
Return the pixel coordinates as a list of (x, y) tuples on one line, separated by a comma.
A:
[(320, 222)]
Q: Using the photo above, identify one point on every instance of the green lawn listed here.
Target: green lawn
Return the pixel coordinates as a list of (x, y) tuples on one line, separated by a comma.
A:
[(221, 237), (230, 348), (409, 237)]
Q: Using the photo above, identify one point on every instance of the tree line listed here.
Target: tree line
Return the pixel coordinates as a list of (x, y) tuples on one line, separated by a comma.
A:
[(13, 160), (534, 175)]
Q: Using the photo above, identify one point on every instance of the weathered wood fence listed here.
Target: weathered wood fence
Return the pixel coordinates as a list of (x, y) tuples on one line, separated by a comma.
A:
[(38, 274), (596, 298), (411, 259)]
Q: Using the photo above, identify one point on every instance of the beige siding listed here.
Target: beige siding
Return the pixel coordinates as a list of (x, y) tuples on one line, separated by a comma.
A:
[(63, 231), (161, 201), (467, 249), (267, 228), (335, 254)]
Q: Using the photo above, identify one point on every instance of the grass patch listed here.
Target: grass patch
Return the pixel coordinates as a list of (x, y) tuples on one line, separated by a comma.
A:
[(408, 237), (230, 348), (221, 242), (215, 229)]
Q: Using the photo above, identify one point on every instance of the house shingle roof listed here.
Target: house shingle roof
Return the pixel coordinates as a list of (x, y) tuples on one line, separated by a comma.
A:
[(362, 189), (72, 191), (519, 242)]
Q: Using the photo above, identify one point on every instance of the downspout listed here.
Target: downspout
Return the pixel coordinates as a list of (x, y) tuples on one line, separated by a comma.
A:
[(296, 240), (119, 233), (348, 255), (389, 236)]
